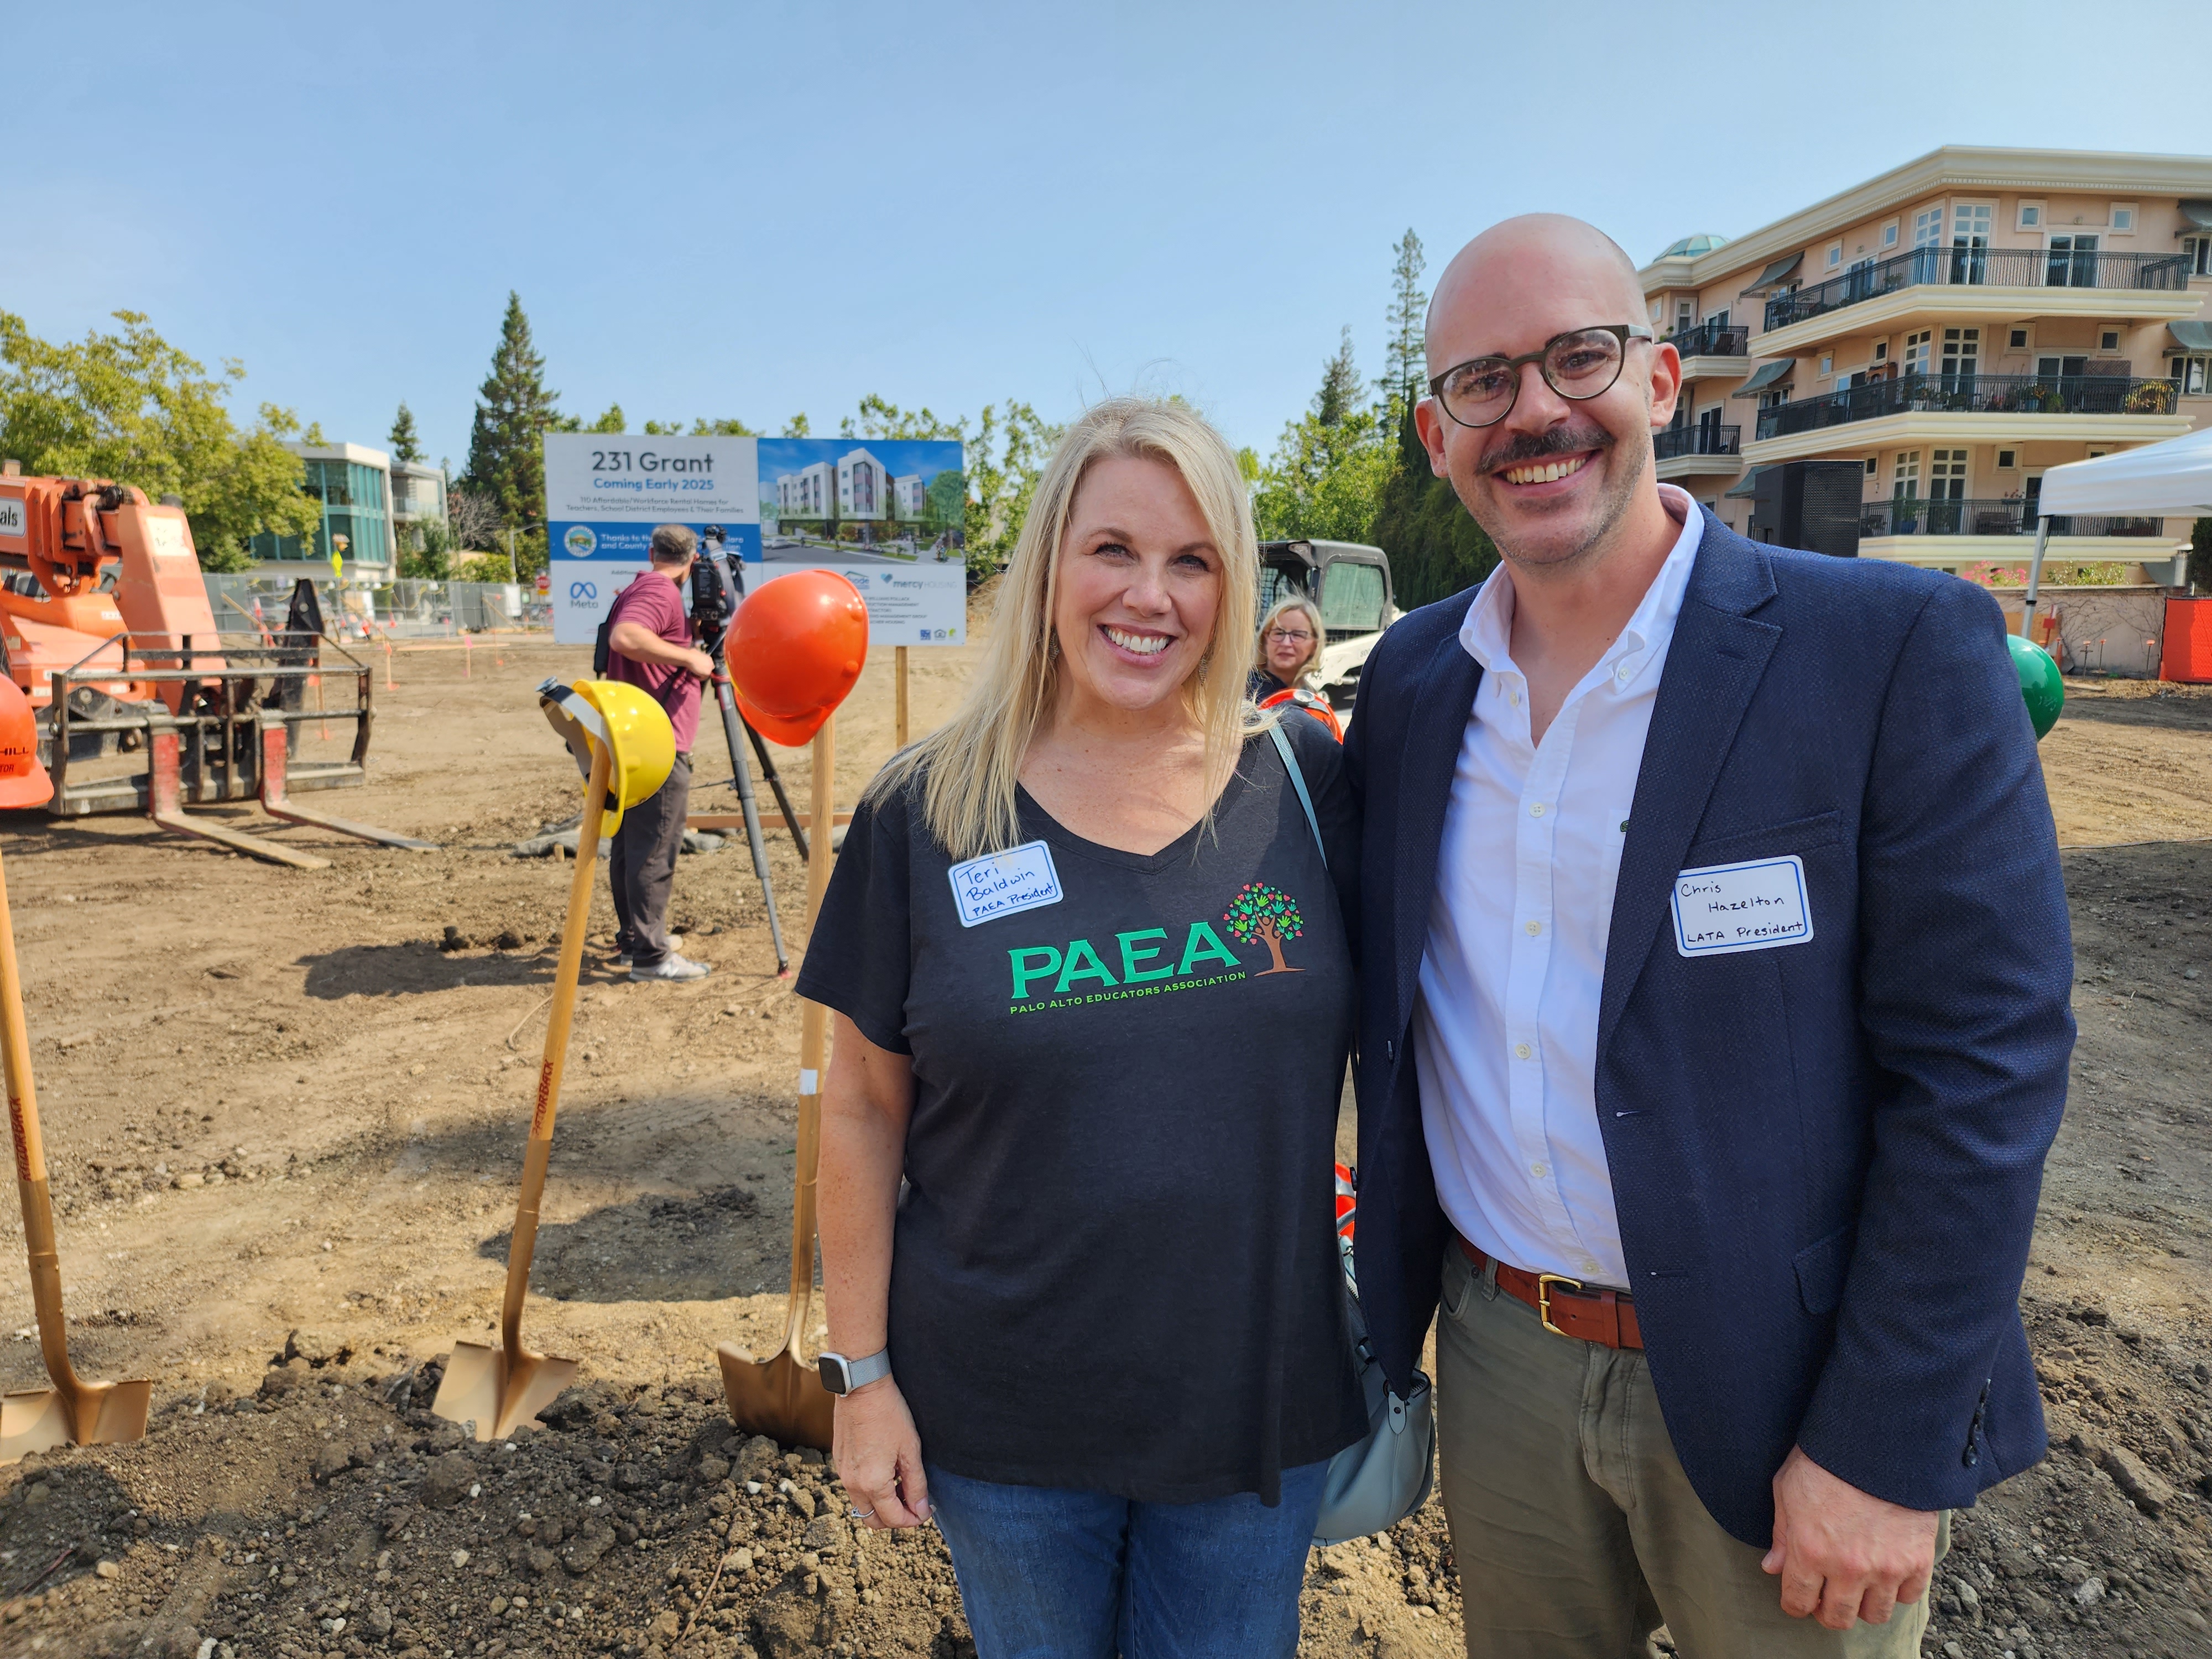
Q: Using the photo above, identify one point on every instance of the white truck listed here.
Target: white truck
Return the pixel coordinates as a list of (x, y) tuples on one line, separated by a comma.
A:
[(1351, 583)]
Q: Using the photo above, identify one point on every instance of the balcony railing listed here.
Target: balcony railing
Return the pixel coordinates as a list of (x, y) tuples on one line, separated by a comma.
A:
[(1979, 394), (1994, 267), (1712, 340), (1676, 441), (2014, 516)]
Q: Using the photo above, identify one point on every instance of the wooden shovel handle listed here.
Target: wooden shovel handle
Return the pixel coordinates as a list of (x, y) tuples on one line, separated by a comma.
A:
[(539, 1152), (31, 1164), (813, 1049)]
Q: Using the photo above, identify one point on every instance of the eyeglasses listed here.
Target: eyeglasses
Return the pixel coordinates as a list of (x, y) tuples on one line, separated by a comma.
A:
[(1581, 364), (1289, 638)]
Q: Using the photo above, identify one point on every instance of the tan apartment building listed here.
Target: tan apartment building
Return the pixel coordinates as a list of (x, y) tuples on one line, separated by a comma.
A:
[(1957, 326)]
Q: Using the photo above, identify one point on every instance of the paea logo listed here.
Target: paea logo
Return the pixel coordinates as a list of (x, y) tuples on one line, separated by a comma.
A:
[(581, 541)]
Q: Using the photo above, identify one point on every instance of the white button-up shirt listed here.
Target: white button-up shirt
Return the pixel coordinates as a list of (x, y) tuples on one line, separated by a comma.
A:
[(1506, 1031)]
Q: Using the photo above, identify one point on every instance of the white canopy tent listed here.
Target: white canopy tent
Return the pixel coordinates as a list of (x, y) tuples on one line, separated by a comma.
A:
[(2173, 479)]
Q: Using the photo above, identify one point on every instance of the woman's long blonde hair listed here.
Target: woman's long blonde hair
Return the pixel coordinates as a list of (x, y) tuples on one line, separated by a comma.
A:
[(1276, 612), (969, 766)]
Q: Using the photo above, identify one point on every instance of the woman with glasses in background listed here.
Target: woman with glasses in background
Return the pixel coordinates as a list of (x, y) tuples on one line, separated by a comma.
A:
[(1290, 639)]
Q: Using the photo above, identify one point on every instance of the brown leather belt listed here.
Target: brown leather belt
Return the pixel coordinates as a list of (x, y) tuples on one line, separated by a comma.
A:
[(1567, 1306)]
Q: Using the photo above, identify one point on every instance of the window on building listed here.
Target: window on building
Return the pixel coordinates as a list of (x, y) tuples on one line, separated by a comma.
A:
[(1904, 476), (2108, 339), (2007, 460), (2031, 215), (2123, 221), (2072, 262), (2197, 251), (1889, 235), (1835, 255), (1970, 241), (1962, 350), (1774, 396), (1928, 227), (2194, 372), (1828, 362), (1947, 475), (1881, 351), (2016, 340), (1916, 351), (1873, 467)]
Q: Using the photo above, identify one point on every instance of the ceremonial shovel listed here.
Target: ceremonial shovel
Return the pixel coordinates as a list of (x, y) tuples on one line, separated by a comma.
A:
[(500, 1388), (782, 1396), (73, 1410)]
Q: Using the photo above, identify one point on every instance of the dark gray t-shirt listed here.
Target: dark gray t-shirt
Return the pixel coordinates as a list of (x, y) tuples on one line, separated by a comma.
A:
[(1115, 1267)]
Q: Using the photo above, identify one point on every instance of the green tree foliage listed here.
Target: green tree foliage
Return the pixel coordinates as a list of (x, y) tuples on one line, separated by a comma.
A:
[(1436, 548), (128, 406), (506, 446), (1404, 358), (613, 421), (405, 445), (798, 427), (1327, 474)]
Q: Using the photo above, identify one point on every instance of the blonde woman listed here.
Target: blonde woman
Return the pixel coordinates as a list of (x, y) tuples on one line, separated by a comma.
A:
[(1290, 639), (1093, 993)]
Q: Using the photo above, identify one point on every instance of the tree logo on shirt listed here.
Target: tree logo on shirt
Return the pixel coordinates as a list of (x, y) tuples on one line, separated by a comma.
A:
[(1266, 915)]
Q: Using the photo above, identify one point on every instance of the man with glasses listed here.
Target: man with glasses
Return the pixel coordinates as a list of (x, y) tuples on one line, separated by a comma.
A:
[(1714, 1023)]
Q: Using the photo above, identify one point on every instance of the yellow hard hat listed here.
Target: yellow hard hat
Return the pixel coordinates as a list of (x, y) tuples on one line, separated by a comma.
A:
[(634, 729)]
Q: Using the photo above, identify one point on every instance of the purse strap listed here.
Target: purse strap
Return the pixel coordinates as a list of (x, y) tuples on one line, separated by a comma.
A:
[(1298, 782)]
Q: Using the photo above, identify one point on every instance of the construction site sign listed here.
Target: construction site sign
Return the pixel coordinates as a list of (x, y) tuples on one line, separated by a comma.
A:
[(886, 514), (605, 491)]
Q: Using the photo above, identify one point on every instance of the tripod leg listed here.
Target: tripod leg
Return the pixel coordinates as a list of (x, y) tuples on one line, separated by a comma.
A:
[(775, 782), (744, 778)]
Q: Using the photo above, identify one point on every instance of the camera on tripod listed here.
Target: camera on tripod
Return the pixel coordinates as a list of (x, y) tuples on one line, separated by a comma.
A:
[(714, 589)]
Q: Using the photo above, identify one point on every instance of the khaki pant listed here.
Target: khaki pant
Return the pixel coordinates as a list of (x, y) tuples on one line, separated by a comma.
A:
[(1576, 1531)]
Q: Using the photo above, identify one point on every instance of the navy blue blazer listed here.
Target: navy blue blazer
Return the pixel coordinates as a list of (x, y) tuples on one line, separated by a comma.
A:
[(1826, 1156)]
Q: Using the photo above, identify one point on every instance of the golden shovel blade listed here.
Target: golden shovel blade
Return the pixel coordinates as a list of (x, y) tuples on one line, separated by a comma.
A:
[(778, 1397), (481, 1390), (40, 1419)]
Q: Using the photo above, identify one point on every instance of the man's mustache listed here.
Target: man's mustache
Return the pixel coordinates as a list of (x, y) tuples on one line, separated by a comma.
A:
[(1524, 446)]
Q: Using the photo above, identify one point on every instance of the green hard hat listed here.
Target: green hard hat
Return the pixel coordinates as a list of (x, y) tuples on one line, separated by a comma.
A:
[(2040, 682)]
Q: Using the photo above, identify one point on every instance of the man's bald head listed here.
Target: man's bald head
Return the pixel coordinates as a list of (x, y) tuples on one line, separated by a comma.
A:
[(1534, 252)]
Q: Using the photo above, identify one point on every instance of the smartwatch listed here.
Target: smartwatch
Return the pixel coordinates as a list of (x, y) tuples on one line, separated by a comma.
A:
[(842, 1375)]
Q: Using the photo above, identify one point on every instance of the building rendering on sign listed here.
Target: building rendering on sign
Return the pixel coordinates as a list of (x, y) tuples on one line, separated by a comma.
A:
[(353, 486), (1956, 327), (807, 492), (863, 486), (911, 495)]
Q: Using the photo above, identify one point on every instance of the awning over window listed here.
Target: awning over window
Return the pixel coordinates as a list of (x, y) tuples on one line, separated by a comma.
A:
[(1767, 375), (1745, 488), (1780, 271), (2197, 213), (2192, 336)]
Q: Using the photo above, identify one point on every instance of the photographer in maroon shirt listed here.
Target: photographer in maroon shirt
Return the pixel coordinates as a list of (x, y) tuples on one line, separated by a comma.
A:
[(649, 646)]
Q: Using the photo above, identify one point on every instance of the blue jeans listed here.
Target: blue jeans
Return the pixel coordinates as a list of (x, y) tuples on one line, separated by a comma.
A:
[(1048, 1573)]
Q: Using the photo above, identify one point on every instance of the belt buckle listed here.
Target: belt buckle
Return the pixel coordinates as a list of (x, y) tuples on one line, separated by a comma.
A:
[(1544, 1283)]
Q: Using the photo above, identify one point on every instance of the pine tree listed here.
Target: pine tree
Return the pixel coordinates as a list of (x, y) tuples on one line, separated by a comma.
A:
[(405, 446), (1436, 548), (507, 455), (1340, 386), (1406, 356)]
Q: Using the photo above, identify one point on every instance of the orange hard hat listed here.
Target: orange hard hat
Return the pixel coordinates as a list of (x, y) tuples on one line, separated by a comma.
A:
[(1314, 705), (24, 782), (795, 649)]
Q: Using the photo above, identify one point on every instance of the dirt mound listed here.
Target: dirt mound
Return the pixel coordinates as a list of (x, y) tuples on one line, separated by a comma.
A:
[(347, 1520)]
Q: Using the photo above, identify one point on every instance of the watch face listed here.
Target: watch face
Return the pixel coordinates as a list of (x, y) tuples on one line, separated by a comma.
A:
[(832, 1369)]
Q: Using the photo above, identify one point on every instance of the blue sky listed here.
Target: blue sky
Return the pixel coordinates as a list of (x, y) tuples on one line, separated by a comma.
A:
[(756, 210)]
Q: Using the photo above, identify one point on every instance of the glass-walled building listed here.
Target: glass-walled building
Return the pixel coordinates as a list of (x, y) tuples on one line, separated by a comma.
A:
[(353, 486)]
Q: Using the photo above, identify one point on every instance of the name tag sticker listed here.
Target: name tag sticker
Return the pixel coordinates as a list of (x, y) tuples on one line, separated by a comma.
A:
[(1002, 884), (1741, 907)]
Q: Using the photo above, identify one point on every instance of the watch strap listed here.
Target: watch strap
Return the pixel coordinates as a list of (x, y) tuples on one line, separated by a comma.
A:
[(858, 1373)]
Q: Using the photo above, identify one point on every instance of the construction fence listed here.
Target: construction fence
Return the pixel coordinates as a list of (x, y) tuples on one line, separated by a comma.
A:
[(394, 610)]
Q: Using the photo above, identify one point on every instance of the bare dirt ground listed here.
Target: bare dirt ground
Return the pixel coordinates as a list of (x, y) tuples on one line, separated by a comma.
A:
[(285, 1126)]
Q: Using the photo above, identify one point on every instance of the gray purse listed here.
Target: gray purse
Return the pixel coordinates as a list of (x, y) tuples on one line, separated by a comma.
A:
[(1386, 1474)]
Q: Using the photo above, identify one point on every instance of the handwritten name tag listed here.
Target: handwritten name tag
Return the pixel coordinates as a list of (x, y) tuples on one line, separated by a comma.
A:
[(1741, 907), (1001, 883)]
